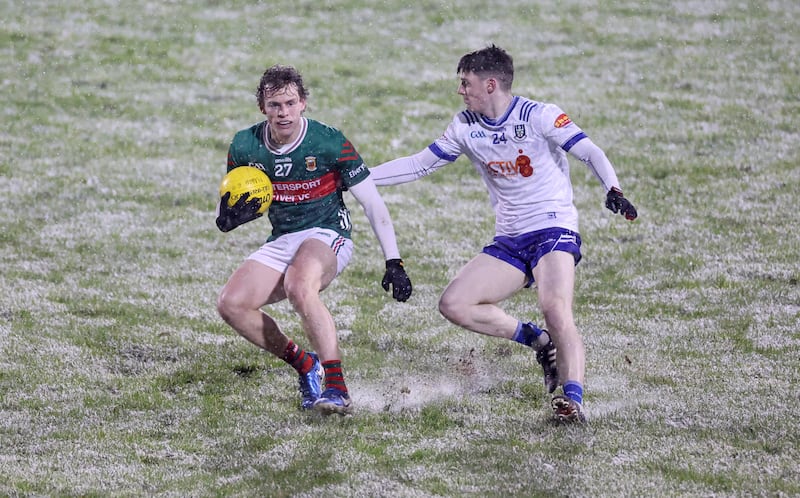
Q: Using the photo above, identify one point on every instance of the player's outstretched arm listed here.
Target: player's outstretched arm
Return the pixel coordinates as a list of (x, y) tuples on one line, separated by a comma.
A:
[(596, 160), (406, 169), (378, 215)]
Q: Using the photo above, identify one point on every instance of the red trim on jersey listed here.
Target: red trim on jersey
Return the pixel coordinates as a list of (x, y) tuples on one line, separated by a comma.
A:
[(305, 190), (347, 148)]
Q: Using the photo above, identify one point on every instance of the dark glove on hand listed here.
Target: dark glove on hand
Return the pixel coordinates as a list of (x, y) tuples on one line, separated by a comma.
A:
[(617, 203), (242, 211), (397, 277)]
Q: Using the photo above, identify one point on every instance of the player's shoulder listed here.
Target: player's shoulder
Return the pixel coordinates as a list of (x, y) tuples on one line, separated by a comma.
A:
[(542, 114), (530, 110), (247, 140), (254, 132), (326, 140), (323, 130), (466, 118), (549, 109), (525, 107)]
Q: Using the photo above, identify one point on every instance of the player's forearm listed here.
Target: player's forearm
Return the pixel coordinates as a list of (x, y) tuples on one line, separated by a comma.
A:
[(405, 169), (597, 162), (378, 215), (394, 172)]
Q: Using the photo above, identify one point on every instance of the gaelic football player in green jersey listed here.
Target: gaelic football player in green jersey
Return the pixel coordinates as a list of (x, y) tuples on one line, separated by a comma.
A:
[(310, 164)]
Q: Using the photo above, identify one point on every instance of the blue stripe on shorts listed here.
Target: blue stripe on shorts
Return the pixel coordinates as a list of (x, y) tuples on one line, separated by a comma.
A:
[(524, 251)]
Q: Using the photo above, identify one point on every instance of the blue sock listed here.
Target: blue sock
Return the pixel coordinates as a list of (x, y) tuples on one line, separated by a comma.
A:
[(526, 333), (574, 391)]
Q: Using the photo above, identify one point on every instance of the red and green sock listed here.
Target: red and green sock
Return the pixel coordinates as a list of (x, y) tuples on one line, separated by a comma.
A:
[(334, 378), (298, 358)]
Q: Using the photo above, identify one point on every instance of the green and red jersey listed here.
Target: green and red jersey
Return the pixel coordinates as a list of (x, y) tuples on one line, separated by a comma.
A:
[(308, 175)]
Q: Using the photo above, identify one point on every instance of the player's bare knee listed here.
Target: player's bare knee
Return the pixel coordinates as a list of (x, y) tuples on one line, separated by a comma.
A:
[(221, 308), (451, 310), (227, 306), (298, 295)]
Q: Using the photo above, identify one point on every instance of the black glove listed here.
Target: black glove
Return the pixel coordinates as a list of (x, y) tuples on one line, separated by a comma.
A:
[(397, 277), (619, 204), (242, 211)]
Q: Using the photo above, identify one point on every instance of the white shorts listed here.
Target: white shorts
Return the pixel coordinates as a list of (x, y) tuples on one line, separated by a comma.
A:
[(279, 253)]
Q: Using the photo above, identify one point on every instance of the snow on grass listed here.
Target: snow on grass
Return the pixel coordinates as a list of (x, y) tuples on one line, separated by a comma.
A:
[(118, 377)]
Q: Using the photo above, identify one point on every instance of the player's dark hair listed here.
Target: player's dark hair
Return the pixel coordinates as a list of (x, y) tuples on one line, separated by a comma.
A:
[(490, 61), (278, 77)]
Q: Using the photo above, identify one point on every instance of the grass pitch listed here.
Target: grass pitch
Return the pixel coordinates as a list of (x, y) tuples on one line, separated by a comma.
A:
[(118, 379)]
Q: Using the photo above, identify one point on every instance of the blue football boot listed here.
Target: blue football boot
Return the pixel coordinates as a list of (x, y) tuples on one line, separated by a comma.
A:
[(310, 384), (334, 401)]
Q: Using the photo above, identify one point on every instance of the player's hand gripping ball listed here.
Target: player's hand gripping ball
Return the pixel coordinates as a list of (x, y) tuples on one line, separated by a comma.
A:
[(249, 181)]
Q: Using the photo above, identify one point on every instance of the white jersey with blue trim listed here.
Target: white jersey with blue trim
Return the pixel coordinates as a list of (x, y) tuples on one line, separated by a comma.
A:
[(522, 160)]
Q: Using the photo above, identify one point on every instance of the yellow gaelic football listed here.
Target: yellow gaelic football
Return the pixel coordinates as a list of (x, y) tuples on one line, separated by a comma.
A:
[(250, 181)]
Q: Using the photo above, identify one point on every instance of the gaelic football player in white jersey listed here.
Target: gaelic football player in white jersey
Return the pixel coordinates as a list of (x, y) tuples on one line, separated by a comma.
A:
[(309, 164), (519, 146)]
